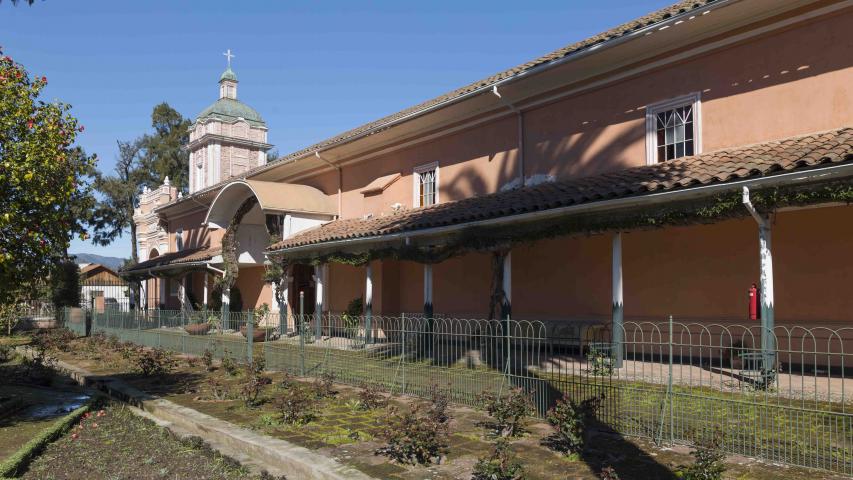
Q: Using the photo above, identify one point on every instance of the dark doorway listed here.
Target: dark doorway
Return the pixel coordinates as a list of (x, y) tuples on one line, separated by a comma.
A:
[(303, 281)]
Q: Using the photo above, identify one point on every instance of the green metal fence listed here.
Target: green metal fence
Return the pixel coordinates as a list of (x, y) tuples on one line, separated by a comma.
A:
[(676, 382)]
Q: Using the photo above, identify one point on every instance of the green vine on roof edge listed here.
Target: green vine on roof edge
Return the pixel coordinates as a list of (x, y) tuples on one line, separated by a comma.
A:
[(478, 239)]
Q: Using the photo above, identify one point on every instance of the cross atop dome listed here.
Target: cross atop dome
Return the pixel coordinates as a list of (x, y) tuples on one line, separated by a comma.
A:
[(228, 79)]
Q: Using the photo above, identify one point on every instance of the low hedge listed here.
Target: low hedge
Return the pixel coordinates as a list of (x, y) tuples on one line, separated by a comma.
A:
[(20, 459)]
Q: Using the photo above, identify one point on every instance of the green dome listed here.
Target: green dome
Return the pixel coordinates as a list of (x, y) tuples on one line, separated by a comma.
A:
[(228, 110), (228, 74)]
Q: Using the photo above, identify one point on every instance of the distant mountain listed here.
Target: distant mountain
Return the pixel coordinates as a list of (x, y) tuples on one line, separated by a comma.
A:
[(112, 262)]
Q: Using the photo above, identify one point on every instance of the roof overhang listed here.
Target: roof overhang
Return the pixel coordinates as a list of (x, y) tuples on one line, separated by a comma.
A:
[(436, 235), (173, 263), (272, 197)]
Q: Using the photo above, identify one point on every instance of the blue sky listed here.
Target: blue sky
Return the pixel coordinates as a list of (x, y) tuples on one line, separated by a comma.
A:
[(311, 69)]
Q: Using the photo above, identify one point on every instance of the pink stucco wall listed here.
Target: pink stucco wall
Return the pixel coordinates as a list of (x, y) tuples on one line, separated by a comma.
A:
[(788, 82)]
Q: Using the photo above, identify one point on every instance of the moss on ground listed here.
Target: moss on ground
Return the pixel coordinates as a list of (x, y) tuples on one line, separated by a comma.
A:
[(342, 431)]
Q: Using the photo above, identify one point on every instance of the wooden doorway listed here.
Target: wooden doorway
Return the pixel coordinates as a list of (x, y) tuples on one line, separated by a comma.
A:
[(303, 281)]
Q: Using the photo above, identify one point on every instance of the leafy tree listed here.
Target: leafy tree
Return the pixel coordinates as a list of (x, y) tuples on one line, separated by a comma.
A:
[(42, 181), (145, 161), (113, 214), (65, 284), (165, 153)]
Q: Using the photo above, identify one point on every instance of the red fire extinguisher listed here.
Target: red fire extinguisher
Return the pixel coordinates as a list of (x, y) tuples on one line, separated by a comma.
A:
[(754, 310)]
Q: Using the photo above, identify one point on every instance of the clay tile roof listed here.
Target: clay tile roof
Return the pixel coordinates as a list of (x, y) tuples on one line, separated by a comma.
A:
[(801, 152), (190, 255)]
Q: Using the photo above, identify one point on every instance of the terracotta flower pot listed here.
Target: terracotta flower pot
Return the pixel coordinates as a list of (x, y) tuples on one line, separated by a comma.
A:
[(197, 328), (258, 334)]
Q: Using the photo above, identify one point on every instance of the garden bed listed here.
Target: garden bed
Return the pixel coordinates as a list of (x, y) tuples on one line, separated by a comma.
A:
[(37, 405), (342, 429), (115, 443)]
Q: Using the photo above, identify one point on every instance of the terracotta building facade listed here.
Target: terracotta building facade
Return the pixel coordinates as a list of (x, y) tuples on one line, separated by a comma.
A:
[(637, 174)]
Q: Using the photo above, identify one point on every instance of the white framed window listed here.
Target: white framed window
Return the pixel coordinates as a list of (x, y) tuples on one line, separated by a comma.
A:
[(673, 129), (425, 185)]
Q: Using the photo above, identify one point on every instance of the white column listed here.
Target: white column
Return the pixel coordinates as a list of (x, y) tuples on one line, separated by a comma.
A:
[(617, 324), (274, 306), (206, 282), (428, 305), (768, 340), (161, 300), (765, 252), (506, 304), (143, 294), (182, 292), (368, 304), (319, 283), (285, 296)]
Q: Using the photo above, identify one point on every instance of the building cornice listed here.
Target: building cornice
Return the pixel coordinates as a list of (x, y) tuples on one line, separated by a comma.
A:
[(223, 139)]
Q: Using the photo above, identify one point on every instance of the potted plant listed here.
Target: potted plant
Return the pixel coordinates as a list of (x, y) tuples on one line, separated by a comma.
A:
[(200, 328), (258, 334)]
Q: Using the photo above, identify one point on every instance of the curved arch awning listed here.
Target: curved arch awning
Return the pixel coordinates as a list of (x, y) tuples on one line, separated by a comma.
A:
[(272, 197)]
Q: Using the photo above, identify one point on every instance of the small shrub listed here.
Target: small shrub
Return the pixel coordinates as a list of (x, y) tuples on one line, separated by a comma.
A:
[(415, 436), (228, 363), (296, 405), (191, 361), (608, 473), (708, 460), (370, 397), (207, 360), (509, 411), (254, 382), (112, 342), (155, 362), (600, 362), (218, 390), (571, 420), (58, 339), (128, 350), (352, 316), (38, 365), (500, 465), (288, 381), (439, 401), (324, 385), (5, 353)]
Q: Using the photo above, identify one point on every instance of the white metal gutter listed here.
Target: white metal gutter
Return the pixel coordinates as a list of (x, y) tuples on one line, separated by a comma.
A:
[(808, 176)]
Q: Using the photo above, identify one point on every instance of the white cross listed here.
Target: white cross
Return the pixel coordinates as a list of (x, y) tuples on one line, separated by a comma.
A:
[(229, 55)]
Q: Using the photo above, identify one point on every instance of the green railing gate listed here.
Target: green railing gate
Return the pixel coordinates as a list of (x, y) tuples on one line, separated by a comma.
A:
[(677, 383)]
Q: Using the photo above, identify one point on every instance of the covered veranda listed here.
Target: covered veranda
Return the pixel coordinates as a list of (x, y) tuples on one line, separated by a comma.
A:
[(470, 258)]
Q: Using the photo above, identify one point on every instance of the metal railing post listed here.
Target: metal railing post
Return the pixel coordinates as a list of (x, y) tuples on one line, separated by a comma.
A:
[(301, 328), (669, 390), (403, 355), (250, 330)]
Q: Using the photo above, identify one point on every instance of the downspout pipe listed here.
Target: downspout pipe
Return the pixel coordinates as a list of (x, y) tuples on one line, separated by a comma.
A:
[(340, 177), (520, 115), (768, 339)]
